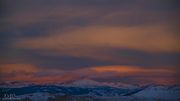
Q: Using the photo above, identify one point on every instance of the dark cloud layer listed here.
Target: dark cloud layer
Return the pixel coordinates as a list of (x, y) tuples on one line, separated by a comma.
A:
[(45, 59), (31, 33)]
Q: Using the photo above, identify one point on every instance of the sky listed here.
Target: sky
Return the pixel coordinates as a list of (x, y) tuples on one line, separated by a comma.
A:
[(128, 41)]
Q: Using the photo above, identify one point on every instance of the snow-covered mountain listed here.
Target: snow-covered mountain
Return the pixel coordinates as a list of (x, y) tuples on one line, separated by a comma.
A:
[(160, 92), (83, 83), (75, 83), (15, 84), (89, 88), (91, 83)]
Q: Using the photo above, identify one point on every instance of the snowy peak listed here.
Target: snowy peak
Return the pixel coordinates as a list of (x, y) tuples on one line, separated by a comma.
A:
[(91, 83), (84, 83), (120, 85), (76, 83), (15, 84)]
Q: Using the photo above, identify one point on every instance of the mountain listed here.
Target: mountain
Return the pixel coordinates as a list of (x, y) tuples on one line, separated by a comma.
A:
[(15, 84), (91, 83), (90, 89), (159, 91), (75, 83), (84, 83)]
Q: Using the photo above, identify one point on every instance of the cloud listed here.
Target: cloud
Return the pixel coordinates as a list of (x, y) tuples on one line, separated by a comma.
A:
[(74, 13), (8, 68), (59, 37), (136, 75), (131, 69), (31, 73), (151, 39), (88, 57)]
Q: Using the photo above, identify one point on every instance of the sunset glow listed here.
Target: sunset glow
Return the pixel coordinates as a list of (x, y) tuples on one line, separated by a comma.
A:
[(128, 41)]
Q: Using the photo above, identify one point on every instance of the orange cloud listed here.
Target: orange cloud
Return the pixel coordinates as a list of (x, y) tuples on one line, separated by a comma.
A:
[(167, 80), (44, 79), (141, 75), (132, 69), (31, 73), (138, 75), (9, 68), (147, 38)]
